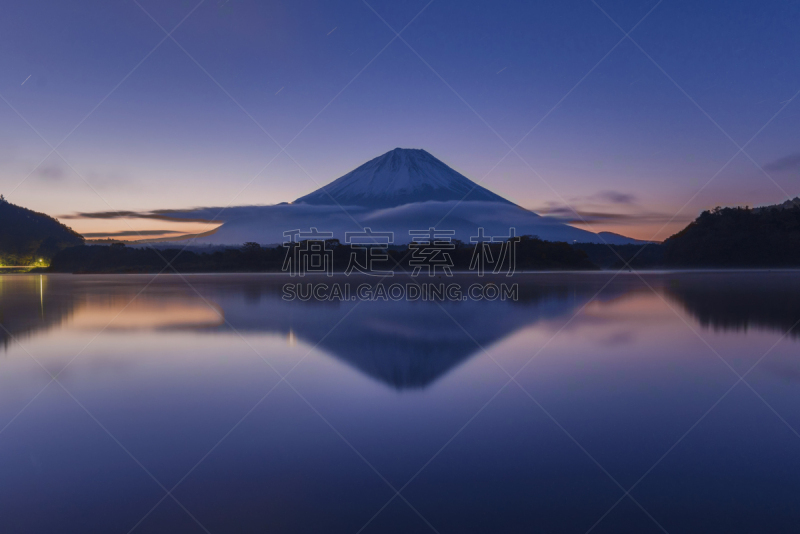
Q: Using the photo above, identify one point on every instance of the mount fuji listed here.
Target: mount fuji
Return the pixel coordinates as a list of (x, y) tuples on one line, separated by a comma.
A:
[(401, 176), (402, 190)]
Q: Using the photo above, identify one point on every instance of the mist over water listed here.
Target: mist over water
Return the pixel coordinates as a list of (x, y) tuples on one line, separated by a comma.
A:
[(181, 387)]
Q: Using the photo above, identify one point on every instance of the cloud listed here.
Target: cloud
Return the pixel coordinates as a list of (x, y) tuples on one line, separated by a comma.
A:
[(607, 207), (50, 172), (156, 214), (614, 197), (786, 163), (568, 215), (130, 233), (267, 224), (604, 198)]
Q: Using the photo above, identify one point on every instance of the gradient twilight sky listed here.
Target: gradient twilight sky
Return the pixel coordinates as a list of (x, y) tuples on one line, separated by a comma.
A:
[(624, 138)]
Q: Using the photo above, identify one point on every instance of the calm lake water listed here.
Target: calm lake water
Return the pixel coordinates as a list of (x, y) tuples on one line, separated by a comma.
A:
[(219, 407)]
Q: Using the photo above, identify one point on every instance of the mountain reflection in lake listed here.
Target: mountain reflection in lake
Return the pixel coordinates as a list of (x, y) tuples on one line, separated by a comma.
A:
[(186, 383)]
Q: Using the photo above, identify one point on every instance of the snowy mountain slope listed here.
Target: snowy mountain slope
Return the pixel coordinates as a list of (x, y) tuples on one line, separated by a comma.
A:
[(400, 176), (402, 190)]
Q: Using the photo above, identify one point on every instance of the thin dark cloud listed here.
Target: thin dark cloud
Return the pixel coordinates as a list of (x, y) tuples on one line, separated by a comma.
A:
[(615, 197), (50, 172), (130, 233), (569, 215), (110, 215), (786, 163), (159, 215), (602, 198), (607, 207)]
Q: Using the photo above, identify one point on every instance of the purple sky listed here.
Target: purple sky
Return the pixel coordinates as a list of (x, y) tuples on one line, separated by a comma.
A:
[(628, 132)]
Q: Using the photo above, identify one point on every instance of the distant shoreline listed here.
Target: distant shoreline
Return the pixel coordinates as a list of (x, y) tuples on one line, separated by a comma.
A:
[(634, 272)]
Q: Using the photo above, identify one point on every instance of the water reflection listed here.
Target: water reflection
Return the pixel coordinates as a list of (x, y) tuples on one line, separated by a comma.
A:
[(405, 345), (738, 302), (31, 304), (94, 313), (178, 388), (22, 306)]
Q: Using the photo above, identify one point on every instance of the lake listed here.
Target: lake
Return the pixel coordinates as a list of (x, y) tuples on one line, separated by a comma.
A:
[(595, 402)]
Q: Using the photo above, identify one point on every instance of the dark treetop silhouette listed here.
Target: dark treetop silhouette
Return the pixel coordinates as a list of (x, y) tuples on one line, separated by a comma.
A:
[(26, 235)]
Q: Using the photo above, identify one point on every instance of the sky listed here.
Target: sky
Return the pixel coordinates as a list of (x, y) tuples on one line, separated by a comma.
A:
[(548, 104)]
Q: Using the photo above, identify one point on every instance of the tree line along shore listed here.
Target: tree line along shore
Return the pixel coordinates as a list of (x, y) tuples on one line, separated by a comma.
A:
[(720, 238)]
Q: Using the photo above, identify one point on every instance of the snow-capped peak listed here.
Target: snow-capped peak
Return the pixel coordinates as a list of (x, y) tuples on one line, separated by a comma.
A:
[(400, 176)]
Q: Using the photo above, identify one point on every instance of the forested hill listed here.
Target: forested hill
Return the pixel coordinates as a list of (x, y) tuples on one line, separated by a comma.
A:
[(738, 237), (766, 237), (26, 235)]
